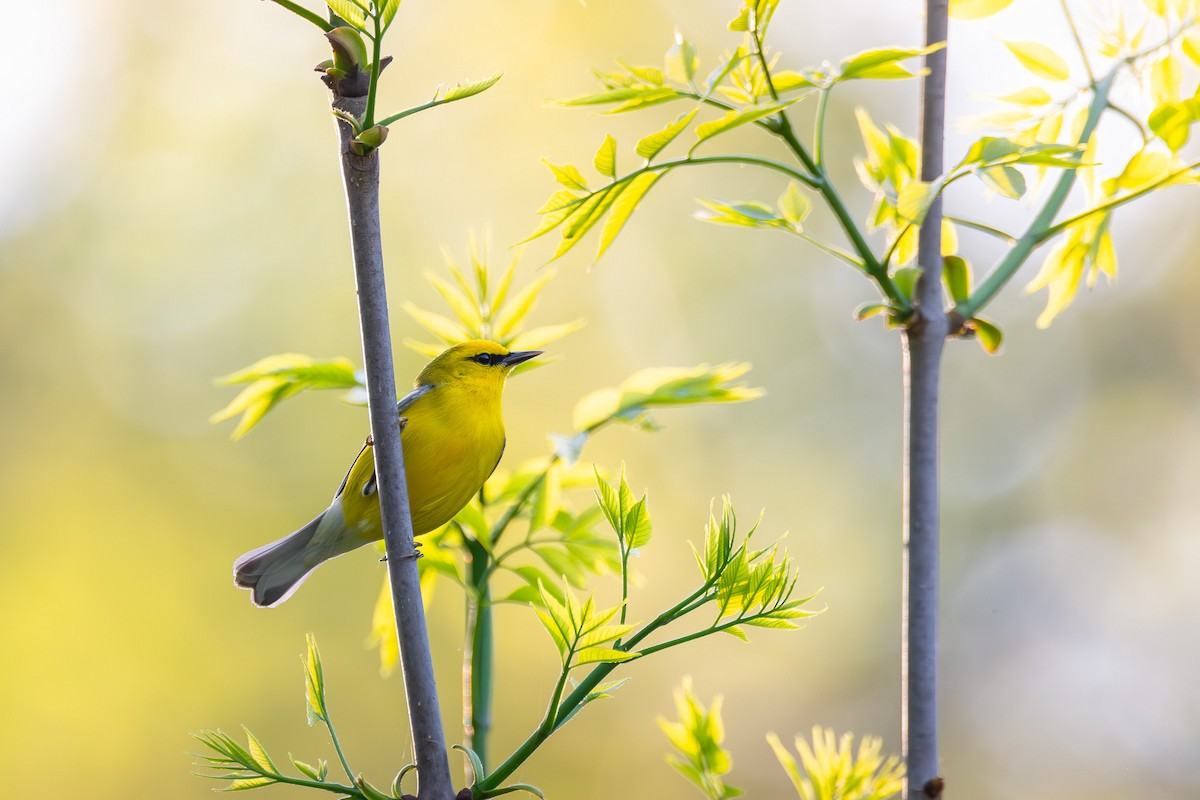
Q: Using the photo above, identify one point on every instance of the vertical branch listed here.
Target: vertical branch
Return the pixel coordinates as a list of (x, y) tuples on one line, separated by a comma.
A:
[(924, 341), (360, 175)]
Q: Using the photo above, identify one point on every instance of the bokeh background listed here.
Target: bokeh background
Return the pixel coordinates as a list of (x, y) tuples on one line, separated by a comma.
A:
[(171, 210)]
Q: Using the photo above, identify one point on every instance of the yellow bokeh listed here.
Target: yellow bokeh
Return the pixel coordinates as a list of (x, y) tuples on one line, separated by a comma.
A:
[(171, 211)]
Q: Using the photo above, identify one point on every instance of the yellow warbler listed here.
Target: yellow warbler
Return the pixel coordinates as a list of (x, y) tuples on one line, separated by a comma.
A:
[(453, 437)]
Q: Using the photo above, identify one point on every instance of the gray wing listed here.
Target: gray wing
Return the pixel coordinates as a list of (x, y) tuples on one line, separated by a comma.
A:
[(411, 397)]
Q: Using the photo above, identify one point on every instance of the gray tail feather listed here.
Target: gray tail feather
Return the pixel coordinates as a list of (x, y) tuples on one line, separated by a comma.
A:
[(272, 572)]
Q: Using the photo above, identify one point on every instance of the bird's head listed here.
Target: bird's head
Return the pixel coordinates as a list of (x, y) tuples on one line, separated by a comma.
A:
[(477, 363)]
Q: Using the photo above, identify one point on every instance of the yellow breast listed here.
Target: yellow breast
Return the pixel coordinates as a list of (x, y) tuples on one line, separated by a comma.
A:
[(452, 443)]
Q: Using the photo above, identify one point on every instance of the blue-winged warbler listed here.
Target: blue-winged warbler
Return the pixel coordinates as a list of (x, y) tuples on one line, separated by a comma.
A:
[(453, 437)]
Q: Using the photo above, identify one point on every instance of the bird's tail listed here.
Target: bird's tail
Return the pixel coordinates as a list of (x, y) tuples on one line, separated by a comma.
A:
[(272, 572)]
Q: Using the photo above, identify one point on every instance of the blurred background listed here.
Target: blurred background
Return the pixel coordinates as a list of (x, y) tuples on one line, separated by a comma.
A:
[(171, 210)]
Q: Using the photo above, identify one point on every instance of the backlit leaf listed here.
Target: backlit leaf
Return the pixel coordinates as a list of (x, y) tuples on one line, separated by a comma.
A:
[(682, 60), (349, 12), (956, 273), (653, 144), (1040, 60), (624, 206), (606, 157), (470, 88), (794, 204), (977, 9), (737, 118)]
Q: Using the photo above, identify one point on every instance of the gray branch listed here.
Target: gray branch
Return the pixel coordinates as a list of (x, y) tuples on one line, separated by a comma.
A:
[(924, 340), (361, 179)]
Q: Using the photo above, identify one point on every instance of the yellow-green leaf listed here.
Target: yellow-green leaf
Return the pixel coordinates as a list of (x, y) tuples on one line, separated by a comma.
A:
[(349, 12), (568, 175), (956, 272), (737, 118), (624, 206), (977, 9), (794, 205), (522, 303), (989, 336), (653, 144), (258, 752), (1040, 60), (1029, 96), (441, 327), (682, 60), (606, 157), (1191, 45)]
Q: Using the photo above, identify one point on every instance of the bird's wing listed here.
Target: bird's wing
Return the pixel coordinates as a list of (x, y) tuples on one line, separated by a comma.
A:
[(413, 396), (403, 405)]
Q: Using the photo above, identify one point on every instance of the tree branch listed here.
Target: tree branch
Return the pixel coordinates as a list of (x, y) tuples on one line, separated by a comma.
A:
[(924, 340), (361, 180)]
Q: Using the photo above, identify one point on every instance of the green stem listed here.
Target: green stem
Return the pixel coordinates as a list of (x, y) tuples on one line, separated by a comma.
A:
[(301, 11), (873, 266), (511, 512), (564, 708), (377, 45), (1033, 236), (352, 791), (479, 657), (1112, 203), (819, 128), (337, 746), (1087, 66)]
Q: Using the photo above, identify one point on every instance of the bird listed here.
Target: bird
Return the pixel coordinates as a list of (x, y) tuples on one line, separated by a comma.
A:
[(452, 435)]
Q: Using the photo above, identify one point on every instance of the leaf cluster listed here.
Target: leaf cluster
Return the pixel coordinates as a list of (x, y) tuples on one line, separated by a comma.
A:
[(1035, 131), (354, 69), (829, 768), (698, 737), (251, 767)]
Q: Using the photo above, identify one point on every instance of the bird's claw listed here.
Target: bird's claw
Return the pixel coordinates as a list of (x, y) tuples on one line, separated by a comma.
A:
[(370, 441), (403, 423)]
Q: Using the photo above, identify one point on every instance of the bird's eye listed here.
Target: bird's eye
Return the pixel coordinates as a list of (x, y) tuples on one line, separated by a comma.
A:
[(484, 358)]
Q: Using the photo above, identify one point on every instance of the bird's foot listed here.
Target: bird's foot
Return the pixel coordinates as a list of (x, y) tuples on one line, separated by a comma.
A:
[(370, 441), (403, 423)]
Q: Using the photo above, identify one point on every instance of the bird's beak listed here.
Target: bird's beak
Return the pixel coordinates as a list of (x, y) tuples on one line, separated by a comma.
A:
[(516, 357)]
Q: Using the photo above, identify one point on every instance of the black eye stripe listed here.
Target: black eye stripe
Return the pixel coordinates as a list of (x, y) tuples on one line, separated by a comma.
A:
[(487, 359)]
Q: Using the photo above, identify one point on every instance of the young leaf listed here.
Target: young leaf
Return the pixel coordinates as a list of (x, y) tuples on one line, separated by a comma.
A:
[(956, 273), (990, 337), (794, 205), (748, 213), (569, 176), (1040, 60), (350, 13), (736, 118), (469, 89), (1003, 180), (606, 157), (977, 9), (314, 682), (242, 784), (623, 206), (258, 752), (906, 280), (653, 144), (882, 64), (682, 60)]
